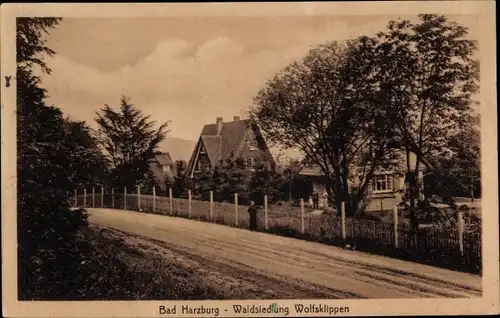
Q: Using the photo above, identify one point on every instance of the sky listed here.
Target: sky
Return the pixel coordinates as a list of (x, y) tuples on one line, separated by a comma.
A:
[(186, 70)]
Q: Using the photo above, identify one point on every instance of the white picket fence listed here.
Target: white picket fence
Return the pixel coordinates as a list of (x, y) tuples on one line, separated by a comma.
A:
[(273, 216)]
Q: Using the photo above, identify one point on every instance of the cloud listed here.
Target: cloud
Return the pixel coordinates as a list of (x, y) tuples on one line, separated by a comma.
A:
[(186, 83), (219, 79)]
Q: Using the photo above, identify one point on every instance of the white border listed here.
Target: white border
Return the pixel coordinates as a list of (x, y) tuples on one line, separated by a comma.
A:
[(488, 304)]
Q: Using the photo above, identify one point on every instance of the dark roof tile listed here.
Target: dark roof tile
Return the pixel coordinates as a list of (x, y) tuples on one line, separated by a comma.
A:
[(230, 140), (212, 147), (163, 159)]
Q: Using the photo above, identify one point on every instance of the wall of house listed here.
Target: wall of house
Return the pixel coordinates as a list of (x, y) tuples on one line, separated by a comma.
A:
[(202, 163), (161, 172), (158, 172), (384, 203), (318, 187), (377, 202)]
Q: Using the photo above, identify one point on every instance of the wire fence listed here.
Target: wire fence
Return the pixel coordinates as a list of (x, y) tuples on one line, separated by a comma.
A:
[(453, 248)]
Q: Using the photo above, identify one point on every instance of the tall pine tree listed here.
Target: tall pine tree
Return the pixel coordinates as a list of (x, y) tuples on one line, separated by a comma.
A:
[(129, 139)]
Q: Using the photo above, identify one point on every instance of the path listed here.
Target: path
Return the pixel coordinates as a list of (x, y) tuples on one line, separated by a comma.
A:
[(279, 267)]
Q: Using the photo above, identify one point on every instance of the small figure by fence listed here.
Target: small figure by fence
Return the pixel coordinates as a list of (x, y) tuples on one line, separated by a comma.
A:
[(315, 199), (252, 211)]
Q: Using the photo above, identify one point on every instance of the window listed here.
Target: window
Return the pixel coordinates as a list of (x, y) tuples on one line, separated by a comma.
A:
[(252, 144), (202, 164), (249, 162), (382, 183)]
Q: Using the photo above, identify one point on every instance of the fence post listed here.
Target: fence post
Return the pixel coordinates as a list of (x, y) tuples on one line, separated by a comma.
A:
[(84, 197), (236, 208), (302, 230), (189, 203), (139, 198), (102, 197), (395, 214), (170, 201), (93, 197), (211, 204), (76, 199), (460, 224), (342, 219), (154, 199), (113, 198), (265, 212), (125, 198)]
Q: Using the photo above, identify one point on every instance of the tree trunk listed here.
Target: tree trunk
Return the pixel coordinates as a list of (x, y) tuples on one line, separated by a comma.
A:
[(335, 195), (413, 207), (412, 195)]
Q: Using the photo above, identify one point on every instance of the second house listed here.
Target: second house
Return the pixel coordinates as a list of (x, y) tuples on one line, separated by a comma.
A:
[(240, 138)]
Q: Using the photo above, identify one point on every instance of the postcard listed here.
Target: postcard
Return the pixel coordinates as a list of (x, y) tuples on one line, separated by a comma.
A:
[(300, 159)]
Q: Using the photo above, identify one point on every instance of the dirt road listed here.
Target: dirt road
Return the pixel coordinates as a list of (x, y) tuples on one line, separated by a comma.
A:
[(260, 265)]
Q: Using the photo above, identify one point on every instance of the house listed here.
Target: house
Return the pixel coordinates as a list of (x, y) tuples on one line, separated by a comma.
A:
[(240, 138), (162, 167), (385, 190)]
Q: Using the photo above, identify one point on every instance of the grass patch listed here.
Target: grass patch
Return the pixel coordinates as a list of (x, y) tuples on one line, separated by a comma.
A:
[(111, 269)]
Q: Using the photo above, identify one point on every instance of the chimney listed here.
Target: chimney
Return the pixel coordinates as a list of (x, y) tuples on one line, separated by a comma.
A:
[(219, 125), (235, 118)]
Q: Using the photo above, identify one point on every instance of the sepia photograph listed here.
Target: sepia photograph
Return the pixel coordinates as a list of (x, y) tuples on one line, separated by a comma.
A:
[(286, 159)]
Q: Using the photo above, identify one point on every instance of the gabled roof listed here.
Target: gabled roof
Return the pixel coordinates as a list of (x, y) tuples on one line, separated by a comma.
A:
[(311, 171), (211, 144), (230, 140), (162, 158), (220, 146)]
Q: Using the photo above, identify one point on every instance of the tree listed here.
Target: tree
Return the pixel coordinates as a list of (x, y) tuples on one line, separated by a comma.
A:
[(181, 181), (202, 183), (48, 251), (288, 171), (465, 162), (229, 177), (129, 139), (266, 179), (320, 106), (426, 76), (84, 162), (459, 172)]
